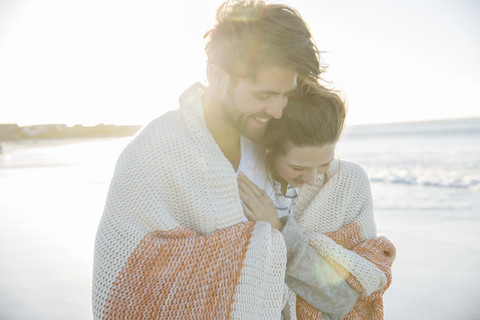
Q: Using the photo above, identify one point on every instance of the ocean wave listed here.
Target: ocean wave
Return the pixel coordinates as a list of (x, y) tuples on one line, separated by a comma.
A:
[(467, 179), (452, 128)]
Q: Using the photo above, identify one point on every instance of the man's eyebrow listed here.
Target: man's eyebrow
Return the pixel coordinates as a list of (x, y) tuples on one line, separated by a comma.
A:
[(272, 92)]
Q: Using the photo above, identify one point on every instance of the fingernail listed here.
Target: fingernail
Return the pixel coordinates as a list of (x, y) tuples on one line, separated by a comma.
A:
[(241, 175)]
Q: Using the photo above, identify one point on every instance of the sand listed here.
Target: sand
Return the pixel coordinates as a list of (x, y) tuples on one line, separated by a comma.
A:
[(434, 275)]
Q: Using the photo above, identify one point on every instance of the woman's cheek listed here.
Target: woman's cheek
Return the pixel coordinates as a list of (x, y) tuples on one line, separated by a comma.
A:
[(290, 174)]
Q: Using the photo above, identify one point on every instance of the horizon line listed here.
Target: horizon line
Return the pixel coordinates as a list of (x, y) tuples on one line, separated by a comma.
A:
[(415, 121), (352, 124)]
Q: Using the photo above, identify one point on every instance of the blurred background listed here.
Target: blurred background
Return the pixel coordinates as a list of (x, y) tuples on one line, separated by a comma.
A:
[(79, 78)]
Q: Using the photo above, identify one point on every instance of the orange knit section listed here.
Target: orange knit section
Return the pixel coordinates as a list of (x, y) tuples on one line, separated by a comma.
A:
[(380, 251), (178, 274), (349, 236)]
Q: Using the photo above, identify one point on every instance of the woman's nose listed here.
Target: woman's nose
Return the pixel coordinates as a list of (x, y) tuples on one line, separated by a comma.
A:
[(310, 177)]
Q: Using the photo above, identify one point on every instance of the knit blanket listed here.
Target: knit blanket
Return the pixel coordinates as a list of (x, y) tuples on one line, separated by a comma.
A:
[(336, 217), (171, 243), (380, 251), (179, 274)]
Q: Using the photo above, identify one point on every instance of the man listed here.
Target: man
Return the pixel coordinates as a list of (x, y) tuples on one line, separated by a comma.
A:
[(171, 243)]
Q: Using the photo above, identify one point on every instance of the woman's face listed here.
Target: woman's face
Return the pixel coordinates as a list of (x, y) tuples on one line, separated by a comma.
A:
[(302, 164)]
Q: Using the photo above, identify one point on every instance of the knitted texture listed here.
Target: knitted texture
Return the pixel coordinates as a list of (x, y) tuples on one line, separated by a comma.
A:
[(328, 207), (170, 244), (337, 215), (380, 251), (156, 276)]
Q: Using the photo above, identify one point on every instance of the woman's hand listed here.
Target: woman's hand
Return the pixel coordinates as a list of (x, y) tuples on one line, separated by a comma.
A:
[(257, 205)]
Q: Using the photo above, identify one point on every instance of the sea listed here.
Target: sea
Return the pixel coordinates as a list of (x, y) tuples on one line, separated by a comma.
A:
[(433, 165), (52, 195)]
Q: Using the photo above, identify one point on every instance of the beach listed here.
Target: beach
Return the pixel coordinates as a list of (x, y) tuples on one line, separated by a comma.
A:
[(434, 273), (425, 182), (52, 200)]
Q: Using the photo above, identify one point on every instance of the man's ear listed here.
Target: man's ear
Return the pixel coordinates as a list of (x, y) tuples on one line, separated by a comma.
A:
[(217, 76)]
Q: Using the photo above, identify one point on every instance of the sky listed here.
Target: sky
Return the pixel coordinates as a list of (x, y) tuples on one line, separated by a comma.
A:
[(126, 62)]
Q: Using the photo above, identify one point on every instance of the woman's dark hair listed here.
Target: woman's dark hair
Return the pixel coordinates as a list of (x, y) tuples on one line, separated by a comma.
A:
[(313, 117)]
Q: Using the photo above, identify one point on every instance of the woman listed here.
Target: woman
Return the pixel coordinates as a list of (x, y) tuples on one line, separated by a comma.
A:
[(323, 207)]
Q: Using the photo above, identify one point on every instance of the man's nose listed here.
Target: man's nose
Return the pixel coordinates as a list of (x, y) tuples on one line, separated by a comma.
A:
[(275, 109)]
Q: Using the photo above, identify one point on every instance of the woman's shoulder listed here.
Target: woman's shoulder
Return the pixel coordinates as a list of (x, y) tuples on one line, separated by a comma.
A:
[(350, 166), (347, 170)]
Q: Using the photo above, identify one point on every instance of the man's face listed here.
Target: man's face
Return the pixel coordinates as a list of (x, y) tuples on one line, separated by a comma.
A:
[(250, 104)]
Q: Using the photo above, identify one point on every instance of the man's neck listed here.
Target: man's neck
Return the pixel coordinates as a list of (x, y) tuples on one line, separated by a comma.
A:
[(227, 138)]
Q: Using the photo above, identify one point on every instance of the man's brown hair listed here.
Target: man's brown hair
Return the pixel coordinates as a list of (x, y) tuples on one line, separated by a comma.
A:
[(250, 34)]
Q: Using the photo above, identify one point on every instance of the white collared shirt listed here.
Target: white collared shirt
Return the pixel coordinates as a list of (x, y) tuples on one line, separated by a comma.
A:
[(253, 164)]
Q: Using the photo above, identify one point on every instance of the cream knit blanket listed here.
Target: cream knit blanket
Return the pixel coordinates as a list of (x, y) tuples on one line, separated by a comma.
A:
[(171, 243), (173, 189), (336, 214)]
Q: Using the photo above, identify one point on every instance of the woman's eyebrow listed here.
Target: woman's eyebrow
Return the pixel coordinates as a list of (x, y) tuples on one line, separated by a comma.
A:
[(322, 165)]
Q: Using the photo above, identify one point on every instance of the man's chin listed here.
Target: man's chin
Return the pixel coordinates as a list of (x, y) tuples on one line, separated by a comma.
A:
[(256, 136)]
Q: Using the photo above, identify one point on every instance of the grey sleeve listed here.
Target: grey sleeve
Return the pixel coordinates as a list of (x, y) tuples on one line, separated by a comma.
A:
[(312, 277)]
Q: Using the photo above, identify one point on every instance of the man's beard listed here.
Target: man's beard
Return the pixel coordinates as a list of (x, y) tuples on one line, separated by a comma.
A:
[(238, 120)]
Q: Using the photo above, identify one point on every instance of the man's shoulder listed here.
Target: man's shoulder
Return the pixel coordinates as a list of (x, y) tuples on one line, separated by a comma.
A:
[(171, 121), (166, 129), (159, 138)]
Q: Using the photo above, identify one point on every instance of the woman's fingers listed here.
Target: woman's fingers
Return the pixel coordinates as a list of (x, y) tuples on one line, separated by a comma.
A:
[(257, 205), (258, 192), (248, 213), (243, 186), (247, 196), (254, 200)]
